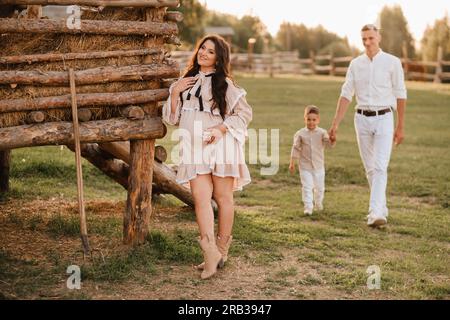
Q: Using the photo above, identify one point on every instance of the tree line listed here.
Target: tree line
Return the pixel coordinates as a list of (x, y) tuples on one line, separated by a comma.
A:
[(396, 36)]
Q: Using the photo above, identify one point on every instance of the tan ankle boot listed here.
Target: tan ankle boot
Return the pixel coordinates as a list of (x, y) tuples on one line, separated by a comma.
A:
[(211, 255), (223, 244)]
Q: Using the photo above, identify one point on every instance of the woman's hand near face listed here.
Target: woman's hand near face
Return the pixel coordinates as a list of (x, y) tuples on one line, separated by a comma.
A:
[(183, 84)]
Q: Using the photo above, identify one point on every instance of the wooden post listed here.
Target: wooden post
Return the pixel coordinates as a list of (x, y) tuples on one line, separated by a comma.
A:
[(271, 61), (5, 160), (437, 75), (405, 59), (313, 61), (332, 64), (142, 153)]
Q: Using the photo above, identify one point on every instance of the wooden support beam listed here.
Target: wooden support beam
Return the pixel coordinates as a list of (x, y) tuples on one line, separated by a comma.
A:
[(92, 76), (118, 28), (5, 160), (139, 199), (53, 57), (84, 100), (113, 168), (438, 71), (139, 204), (60, 133), (163, 176), (97, 3)]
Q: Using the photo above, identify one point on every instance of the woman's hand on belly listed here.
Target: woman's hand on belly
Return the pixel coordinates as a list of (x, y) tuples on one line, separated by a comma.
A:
[(214, 134)]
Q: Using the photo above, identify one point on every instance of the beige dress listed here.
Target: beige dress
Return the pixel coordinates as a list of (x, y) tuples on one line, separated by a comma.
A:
[(193, 115)]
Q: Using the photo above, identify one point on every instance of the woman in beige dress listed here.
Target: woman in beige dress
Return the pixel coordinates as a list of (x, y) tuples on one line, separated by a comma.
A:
[(212, 114)]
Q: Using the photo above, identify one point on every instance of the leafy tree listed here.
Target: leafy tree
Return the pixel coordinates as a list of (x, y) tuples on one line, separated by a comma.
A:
[(298, 37), (434, 37), (192, 26), (394, 32)]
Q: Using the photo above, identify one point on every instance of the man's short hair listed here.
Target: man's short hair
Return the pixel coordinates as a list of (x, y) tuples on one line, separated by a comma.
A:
[(311, 109), (369, 27)]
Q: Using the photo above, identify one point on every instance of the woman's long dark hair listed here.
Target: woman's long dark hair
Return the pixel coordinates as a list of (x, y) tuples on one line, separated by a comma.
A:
[(218, 80)]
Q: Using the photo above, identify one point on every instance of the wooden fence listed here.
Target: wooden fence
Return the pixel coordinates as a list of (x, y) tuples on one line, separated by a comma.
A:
[(288, 62)]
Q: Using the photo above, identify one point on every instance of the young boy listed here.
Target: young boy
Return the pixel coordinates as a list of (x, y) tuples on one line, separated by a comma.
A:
[(308, 149)]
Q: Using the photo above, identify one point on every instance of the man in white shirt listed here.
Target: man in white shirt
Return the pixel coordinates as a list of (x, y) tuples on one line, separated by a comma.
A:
[(377, 80)]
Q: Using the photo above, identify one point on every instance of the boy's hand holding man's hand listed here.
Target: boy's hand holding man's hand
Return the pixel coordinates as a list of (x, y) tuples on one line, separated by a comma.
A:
[(292, 168)]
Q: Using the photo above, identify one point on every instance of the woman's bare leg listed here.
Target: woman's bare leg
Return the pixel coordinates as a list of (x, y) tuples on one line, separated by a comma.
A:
[(202, 189), (223, 194)]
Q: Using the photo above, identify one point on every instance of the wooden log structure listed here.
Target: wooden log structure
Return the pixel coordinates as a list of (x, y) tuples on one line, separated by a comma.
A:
[(139, 199), (55, 57), (134, 166), (139, 205), (133, 113), (34, 12), (5, 160), (114, 168), (174, 16), (92, 76), (173, 40), (61, 133), (35, 117), (96, 3), (84, 115), (163, 176), (117, 28), (84, 100)]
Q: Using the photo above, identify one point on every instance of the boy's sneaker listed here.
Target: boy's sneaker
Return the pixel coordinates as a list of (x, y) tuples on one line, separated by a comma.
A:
[(376, 221), (318, 207), (308, 211)]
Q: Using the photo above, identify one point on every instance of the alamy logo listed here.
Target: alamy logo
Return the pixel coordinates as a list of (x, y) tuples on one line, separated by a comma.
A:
[(263, 148), (74, 19), (374, 279), (74, 280)]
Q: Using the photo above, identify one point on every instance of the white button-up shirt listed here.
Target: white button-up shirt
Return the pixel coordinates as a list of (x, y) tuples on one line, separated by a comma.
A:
[(377, 83)]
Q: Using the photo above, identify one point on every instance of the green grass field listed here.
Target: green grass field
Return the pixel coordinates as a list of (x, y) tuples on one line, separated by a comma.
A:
[(297, 257)]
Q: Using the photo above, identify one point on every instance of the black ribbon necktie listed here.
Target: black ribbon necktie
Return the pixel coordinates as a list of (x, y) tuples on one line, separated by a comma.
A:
[(198, 94)]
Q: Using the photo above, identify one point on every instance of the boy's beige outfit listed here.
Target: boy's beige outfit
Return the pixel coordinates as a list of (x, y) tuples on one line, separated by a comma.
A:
[(308, 147)]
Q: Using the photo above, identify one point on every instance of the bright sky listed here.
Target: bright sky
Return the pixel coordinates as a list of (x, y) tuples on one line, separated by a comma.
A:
[(343, 17)]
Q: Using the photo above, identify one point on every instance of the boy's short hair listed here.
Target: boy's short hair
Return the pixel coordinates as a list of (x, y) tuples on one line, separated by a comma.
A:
[(311, 109)]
